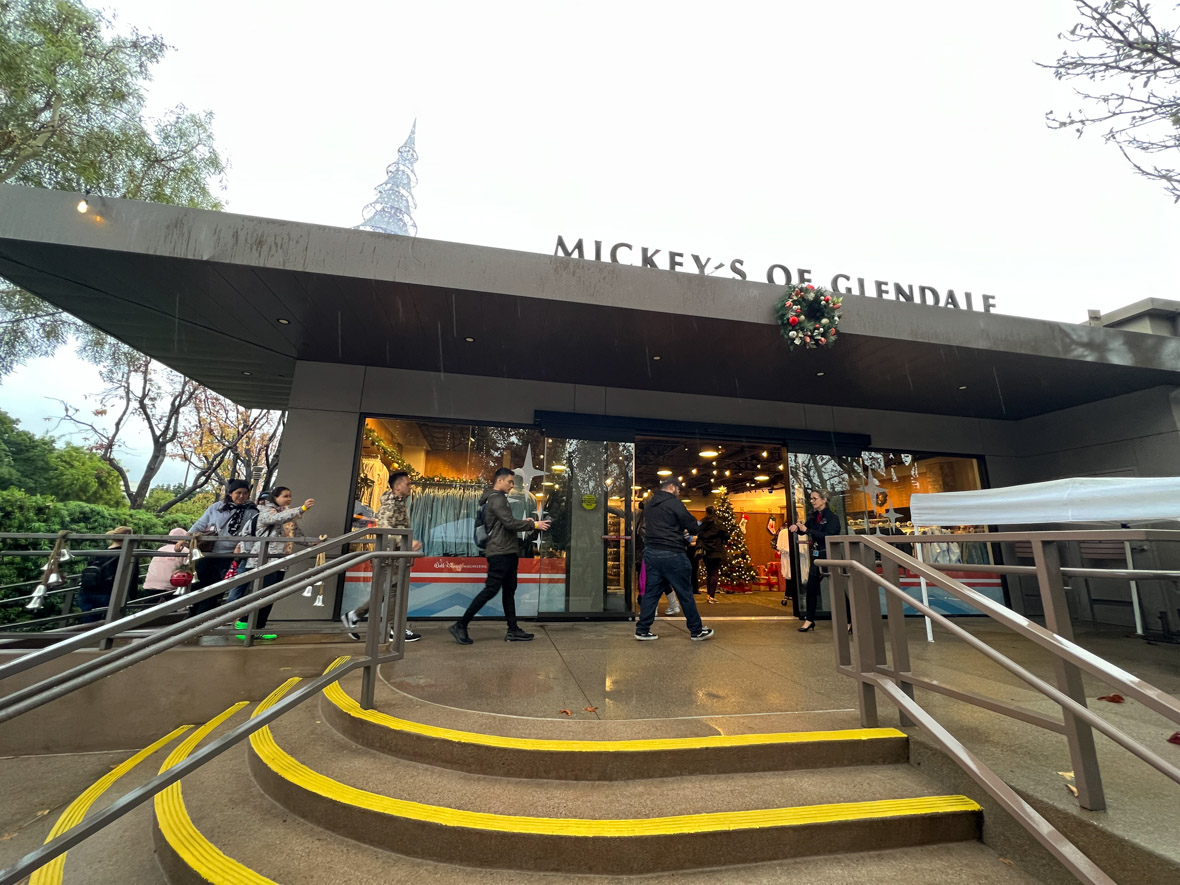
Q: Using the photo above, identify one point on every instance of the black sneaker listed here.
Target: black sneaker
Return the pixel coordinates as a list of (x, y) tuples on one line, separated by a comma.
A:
[(411, 636), (515, 634), (460, 633), (645, 636), (705, 633)]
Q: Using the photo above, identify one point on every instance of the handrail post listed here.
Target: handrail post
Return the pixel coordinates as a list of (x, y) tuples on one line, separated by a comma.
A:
[(377, 584), (899, 640), (118, 597), (255, 585), (1080, 735), (863, 636), (838, 593)]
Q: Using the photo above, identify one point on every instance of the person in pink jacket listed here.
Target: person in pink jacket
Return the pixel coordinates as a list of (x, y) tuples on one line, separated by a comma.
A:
[(160, 568)]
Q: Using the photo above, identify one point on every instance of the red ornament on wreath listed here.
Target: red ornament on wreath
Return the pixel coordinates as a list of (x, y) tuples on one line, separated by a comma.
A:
[(807, 316)]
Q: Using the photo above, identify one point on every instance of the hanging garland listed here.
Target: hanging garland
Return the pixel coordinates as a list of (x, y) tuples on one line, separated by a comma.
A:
[(808, 316), (397, 462)]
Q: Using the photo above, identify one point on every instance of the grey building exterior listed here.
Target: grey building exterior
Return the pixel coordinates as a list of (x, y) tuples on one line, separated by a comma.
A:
[(335, 324)]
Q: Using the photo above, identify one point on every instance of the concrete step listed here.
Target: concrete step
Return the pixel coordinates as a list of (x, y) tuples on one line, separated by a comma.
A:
[(635, 827), (278, 846), (510, 746)]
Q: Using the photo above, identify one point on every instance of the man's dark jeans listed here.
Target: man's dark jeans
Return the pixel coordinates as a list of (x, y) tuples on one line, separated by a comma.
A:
[(501, 575), (667, 568)]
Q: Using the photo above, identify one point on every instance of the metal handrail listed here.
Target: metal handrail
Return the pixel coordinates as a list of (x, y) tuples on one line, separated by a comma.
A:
[(897, 683), (381, 620)]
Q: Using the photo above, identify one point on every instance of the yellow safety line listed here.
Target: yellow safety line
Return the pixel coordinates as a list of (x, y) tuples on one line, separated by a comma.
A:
[(201, 855), (338, 696), (296, 772), (52, 872)]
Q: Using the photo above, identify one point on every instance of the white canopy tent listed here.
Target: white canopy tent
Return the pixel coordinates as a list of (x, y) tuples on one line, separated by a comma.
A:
[(1118, 500)]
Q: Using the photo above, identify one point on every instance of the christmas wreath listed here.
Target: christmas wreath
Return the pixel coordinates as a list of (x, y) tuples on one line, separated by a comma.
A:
[(808, 316)]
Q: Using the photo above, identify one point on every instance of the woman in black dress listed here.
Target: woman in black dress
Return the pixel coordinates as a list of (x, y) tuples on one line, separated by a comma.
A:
[(822, 523)]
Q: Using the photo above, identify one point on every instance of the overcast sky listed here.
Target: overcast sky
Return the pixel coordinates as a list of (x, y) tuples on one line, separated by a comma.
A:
[(896, 141)]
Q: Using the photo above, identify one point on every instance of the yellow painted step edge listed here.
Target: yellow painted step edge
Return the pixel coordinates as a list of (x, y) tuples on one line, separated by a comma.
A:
[(340, 698), (296, 772), (201, 855), (52, 872)]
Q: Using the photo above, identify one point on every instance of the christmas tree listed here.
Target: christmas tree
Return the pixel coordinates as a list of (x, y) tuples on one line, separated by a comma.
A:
[(390, 212), (737, 569)]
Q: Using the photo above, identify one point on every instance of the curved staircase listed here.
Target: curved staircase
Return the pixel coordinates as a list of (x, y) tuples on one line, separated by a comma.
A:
[(339, 794)]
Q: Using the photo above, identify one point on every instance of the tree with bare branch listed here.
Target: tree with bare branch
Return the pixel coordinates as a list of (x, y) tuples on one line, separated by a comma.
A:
[(183, 420), (1133, 62)]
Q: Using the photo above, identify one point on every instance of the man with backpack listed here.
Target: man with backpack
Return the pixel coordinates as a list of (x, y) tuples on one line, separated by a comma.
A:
[(503, 553), (98, 579)]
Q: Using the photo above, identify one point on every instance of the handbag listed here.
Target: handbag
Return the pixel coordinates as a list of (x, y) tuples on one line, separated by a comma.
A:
[(234, 569)]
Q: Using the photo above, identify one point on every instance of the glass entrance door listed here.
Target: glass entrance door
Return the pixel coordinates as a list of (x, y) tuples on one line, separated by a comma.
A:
[(587, 493)]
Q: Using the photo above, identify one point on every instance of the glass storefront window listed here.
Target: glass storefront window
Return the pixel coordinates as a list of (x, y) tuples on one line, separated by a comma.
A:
[(582, 486), (871, 495)]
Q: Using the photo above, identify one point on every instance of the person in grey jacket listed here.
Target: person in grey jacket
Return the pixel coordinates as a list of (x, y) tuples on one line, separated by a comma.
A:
[(503, 553), (222, 520)]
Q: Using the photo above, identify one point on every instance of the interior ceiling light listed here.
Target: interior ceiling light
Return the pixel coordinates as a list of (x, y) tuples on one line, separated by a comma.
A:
[(694, 471), (283, 321), (546, 483), (962, 387), (686, 500), (664, 472), (718, 491), (780, 467), (765, 454), (727, 473), (761, 477), (247, 373), (714, 472), (819, 374), (469, 339), (709, 453), (657, 357), (559, 467)]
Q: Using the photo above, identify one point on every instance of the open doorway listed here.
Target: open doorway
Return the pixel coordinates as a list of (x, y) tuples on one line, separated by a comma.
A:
[(745, 483)]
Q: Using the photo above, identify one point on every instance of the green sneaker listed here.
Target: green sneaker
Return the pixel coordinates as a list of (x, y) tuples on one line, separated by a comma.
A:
[(266, 636), (240, 625)]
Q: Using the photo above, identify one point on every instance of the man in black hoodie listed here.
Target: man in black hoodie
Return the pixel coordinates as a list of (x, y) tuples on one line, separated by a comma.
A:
[(503, 553), (665, 558)]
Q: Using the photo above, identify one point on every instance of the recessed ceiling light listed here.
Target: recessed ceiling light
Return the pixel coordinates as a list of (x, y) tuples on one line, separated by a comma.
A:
[(681, 478), (664, 472), (283, 321), (819, 374), (714, 472), (559, 467), (766, 454), (727, 473), (962, 387), (761, 477), (468, 339), (694, 471), (685, 500), (718, 491), (709, 453), (657, 357), (247, 373)]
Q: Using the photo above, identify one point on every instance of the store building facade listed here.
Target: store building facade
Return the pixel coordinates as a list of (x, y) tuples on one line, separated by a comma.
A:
[(589, 378)]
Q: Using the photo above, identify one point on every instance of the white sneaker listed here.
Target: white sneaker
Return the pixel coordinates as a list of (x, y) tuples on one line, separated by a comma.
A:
[(350, 621), (673, 610)]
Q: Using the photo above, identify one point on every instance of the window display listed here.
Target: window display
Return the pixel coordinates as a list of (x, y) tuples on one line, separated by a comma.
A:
[(568, 482)]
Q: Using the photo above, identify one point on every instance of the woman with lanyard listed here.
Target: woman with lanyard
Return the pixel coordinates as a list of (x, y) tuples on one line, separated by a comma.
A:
[(222, 521), (822, 523)]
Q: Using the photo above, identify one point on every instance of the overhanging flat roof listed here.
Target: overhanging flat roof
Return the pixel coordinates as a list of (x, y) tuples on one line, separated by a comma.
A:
[(204, 292)]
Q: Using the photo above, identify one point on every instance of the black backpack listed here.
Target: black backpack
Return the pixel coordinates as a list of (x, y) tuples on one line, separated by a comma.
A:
[(94, 581), (481, 529)]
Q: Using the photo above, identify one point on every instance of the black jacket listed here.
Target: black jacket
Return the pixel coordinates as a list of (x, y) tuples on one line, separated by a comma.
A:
[(712, 537), (665, 521), (502, 525), (820, 525)]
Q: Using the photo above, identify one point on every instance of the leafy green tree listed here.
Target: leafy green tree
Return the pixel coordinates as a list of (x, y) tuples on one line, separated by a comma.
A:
[(35, 464), (72, 117), (1132, 62), (183, 514), (23, 513)]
